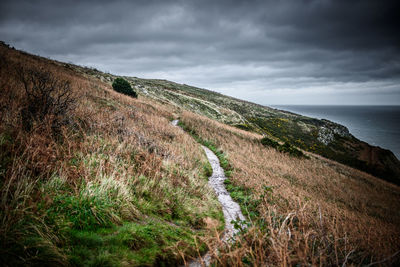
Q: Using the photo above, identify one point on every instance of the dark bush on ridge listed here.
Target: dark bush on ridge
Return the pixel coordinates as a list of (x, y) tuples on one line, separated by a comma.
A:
[(288, 148), (122, 86), (268, 142)]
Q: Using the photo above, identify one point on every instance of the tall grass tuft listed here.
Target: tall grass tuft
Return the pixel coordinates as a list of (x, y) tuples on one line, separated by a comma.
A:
[(25, 236)]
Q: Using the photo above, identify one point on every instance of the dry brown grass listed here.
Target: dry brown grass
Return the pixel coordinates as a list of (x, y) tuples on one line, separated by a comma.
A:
[(319, 213), (109, 136)]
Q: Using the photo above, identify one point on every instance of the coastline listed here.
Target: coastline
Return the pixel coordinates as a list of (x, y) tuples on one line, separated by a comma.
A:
[(376, 125)]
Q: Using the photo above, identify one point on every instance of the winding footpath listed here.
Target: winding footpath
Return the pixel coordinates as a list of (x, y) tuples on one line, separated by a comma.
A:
[(230, 208)]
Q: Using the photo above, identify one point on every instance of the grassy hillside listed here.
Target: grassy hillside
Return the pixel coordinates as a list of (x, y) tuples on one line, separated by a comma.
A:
[(303, 210), (107, 181), (323, 137), (90, 177)]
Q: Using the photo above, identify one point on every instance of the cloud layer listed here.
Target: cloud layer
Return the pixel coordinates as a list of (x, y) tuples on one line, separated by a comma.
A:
[(271, 52)]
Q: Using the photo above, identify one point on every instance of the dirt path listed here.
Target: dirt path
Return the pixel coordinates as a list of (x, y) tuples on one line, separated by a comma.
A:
[(230, 208)]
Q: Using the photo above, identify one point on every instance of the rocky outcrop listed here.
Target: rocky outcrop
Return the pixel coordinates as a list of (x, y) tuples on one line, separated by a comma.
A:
[(326, 133)]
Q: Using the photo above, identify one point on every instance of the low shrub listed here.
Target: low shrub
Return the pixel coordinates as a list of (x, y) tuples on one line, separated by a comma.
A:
[(285, 148), (288, 148), (245, 127), (122, 86), (268, 142)]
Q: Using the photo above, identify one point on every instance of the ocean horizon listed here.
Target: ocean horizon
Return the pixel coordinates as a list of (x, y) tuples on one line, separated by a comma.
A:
[(378, 125)]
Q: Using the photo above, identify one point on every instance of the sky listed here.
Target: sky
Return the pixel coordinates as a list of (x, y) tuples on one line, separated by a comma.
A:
[(270, 52)]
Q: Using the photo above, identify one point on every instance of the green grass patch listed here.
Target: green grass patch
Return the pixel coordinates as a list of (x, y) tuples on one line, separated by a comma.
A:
[(245, 198), (154, 243), (207, 169), (95, 232), (82, 212), (106, 222)]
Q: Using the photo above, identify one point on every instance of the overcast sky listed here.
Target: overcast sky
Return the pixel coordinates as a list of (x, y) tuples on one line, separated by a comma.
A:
[(269, 52)]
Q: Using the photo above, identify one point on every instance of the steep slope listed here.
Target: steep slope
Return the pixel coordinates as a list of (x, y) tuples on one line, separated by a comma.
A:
[(99, 180), (303, 211), (106, 180), (323, 137)]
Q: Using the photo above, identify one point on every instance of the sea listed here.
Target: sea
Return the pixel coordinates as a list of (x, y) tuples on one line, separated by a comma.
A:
[(376, 125)]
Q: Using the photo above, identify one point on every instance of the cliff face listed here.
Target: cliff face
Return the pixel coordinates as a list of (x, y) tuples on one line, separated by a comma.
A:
[(334, 141), (380, 162)]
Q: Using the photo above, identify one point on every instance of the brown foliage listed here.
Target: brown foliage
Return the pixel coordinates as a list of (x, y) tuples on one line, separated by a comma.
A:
[(102, 135), (46, 98), (319, 212)]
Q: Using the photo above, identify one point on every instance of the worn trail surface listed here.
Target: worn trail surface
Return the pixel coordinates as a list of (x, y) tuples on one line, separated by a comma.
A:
[(230, 208)]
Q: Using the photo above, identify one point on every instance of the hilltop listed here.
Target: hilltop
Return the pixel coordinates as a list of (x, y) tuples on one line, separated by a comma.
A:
[(91, 177)]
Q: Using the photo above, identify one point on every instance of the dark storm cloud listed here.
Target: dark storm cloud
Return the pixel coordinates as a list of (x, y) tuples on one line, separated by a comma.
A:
[(260, 50)]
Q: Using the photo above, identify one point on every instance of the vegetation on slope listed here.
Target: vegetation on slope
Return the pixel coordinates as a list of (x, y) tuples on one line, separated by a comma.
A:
[(303, 210), (122, 86), (106, 181), (323, 137)]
